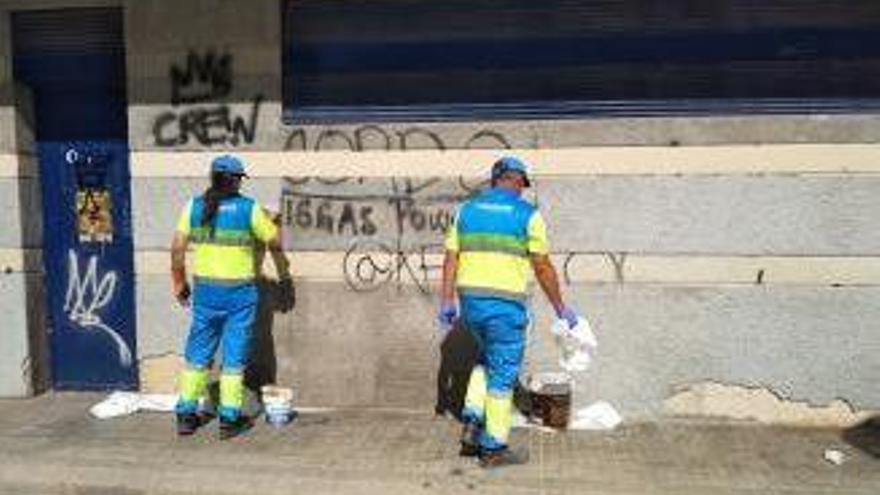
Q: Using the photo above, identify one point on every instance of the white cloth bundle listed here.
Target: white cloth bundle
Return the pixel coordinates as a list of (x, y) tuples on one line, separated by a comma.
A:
[(577, 345)]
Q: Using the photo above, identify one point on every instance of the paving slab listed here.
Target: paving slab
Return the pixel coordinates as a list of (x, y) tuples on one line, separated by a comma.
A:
[(50, 445)]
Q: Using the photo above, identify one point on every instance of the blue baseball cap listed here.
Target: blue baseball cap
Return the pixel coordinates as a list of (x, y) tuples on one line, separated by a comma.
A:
[(228, 164), (510, 164)]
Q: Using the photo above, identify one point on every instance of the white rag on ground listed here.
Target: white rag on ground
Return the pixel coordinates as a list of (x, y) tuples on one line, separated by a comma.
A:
[(597, 416), (125, 403)]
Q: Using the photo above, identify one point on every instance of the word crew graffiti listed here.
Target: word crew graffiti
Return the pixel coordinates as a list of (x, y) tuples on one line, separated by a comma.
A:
[(205, 79), (86, 295)]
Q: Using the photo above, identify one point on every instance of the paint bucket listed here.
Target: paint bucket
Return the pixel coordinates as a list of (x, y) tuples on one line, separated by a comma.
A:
[(551, 399), (277, 403)]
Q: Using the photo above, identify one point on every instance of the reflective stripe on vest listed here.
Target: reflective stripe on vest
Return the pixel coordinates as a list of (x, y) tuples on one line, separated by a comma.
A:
[(221, 237), (489, 292), (225, 282), (227, 254), (493, 243)]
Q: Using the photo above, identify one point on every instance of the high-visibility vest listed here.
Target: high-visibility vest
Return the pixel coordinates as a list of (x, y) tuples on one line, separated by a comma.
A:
[(226, 255), (495, 234)]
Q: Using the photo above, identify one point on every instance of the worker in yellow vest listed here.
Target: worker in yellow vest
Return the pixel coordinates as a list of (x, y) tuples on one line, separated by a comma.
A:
[(223, 225), (496, 240)]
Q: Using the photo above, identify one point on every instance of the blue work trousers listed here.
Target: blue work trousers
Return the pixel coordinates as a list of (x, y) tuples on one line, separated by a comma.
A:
[(499, 326), (222, 315)]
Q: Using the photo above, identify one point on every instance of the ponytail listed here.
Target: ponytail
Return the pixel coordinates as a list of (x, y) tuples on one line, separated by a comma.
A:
[(223, 186)]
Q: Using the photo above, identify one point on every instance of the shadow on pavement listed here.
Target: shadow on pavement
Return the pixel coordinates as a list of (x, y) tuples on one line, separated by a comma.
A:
[(458, 355), (865, 436)]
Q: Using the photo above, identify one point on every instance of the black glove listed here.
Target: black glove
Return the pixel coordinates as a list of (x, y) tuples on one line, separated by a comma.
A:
[(286, 295), (183, 295)]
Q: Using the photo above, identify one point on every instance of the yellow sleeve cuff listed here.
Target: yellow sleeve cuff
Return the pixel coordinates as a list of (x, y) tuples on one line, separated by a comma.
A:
[(183, 221), (451, 241), (263, 227), (537, 232)]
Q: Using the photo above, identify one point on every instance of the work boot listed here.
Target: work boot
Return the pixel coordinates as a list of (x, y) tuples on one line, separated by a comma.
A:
[(205, 417), (187, 424), (232, 428), (503, 457), (470, 434)]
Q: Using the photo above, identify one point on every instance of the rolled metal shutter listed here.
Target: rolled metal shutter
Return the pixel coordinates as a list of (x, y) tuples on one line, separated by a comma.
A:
[(424, 60), (81, 30), (73, 59)]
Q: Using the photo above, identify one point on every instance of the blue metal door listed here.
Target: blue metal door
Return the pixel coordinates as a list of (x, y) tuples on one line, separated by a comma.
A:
[(73, 63)]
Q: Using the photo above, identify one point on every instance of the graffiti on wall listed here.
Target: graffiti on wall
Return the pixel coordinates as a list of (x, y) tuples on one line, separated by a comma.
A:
[(344, 215), (378, 138), (370, 264), (333, 217), (391, 229), (87, 294), (205, 78), (199, 113), (617, 260)]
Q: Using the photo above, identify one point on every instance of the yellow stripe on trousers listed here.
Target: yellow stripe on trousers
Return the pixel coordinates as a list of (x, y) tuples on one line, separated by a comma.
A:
[(499, 416), (475, 400), (232, 390), (193, 383)]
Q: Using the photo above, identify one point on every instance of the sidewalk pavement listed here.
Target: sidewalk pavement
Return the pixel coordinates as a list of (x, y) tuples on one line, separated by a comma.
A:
[(50, 445)]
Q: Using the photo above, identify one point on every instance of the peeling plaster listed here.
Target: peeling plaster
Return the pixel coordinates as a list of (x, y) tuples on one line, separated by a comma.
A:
[(758, 404)]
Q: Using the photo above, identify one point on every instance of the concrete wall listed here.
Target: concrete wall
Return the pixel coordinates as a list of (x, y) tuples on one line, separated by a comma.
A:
[(24, 361), (242, 48), (704, 249)]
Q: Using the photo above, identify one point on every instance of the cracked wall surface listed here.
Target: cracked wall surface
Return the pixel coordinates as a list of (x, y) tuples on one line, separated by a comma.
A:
[(731, 401)]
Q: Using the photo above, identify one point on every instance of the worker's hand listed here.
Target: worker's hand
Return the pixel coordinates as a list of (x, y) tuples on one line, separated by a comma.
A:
[(275, 217), (182, 293), (447, 316), (569, 315), (287, 293)]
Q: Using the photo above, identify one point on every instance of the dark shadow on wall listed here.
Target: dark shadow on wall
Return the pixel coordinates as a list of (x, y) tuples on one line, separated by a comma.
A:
[(865, 436), (276, 296), (459, 353)]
